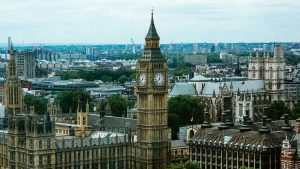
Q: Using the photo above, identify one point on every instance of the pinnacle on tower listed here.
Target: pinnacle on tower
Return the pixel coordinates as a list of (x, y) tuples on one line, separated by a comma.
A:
[(152, 33), (10, 47), (9, 43)]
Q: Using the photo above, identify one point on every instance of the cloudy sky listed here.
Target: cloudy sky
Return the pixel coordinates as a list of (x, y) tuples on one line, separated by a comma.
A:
[(117, 21)]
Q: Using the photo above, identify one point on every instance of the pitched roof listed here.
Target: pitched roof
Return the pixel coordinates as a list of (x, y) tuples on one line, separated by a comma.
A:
[(234, 137), (178, 143), (183, 89), (152, 34), (111, 122), (242, 86)]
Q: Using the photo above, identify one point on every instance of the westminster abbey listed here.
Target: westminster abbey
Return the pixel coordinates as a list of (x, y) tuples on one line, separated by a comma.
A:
[(32, 141)]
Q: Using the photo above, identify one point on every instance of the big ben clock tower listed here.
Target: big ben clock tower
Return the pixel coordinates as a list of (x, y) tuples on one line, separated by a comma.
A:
[(152, 98)]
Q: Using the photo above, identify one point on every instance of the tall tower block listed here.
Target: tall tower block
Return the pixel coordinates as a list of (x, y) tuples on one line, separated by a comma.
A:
[(152, 96)]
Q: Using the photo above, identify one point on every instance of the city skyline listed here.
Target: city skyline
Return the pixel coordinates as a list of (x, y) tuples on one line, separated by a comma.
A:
[(116, 21)]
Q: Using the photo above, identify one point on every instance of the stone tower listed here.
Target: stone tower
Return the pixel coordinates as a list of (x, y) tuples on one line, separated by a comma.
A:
[(82, 118), (269, 69), (152, 96), (13, 99), (13, 102), (40, 141), (30, 137)]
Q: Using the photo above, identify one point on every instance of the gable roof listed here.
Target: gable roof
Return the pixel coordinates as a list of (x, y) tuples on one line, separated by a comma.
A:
[(242, 86), (183, 89)]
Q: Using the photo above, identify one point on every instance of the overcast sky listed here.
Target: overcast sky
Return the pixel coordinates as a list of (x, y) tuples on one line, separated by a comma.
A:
[(117, 21)]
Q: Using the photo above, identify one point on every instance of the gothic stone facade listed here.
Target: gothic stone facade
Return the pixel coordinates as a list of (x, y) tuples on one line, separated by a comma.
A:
[(31, 143)]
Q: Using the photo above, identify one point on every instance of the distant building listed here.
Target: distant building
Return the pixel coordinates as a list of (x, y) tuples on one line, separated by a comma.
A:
[(292, 92), (25, 64), (196, 59), (226, 58)]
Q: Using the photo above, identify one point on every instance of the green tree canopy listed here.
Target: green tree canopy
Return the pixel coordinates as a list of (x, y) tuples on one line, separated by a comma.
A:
[(213, 58), (183, 110), (186, 165), (295, 112), (275, 110), (122, 79), (68, 100), (118, 105), (99, 74), (40, 105)]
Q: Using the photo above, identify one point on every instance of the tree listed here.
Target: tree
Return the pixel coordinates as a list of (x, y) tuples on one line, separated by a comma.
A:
[(174, 123), (295, 112), (68, 100), (99, 74), (182, 69), (40, 105), (185, 109), (122, 79), (118, 105), (213, 58), (186, 165), (275, 110)]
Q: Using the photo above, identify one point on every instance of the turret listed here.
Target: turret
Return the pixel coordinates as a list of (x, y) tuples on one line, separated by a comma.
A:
[(223, 125), (245, 126), (264, 128), (278, 51), (206, 123)]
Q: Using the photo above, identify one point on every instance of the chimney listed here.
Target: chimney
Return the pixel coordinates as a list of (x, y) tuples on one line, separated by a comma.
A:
[(223, 125)]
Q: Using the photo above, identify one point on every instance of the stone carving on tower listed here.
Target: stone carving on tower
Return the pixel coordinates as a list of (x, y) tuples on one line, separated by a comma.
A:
[(152, 95)]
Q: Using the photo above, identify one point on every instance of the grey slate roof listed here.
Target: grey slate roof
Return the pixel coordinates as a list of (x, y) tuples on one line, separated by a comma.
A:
[(183, 89), (88, 142), (234, 137), (249, 85), (178, 143), (152, 34), (111, 122)]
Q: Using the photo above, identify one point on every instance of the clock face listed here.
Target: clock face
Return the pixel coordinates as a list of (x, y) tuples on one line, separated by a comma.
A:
[(142, 79), (159, 79)]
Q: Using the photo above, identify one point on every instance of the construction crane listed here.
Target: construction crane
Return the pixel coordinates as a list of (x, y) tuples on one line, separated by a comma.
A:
[(133, 46)]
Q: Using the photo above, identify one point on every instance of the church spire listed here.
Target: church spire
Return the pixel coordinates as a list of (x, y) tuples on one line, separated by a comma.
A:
[(13, 99), (152, 33), (11, 64), (152, 46)]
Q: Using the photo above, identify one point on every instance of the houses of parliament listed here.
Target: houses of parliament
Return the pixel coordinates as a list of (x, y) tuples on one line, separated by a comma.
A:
[(31, 141)]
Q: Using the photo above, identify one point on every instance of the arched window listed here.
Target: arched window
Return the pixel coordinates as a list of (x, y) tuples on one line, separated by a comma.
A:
[(191, 133), (271, 73), (278, 85), (278, 73), (253, 72), (270, 85), (40, 145), (261, 72)]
